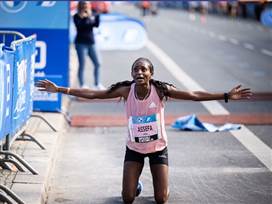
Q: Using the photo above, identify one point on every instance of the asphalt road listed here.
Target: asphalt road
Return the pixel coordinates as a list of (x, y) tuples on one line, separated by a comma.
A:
[(222, 167)]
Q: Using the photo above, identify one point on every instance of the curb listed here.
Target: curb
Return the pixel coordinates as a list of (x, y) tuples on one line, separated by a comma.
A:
[(33, 189)]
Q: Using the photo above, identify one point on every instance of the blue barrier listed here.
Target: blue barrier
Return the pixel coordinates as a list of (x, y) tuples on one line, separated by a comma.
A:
[(23, 82), (6, 68), (17, 60)]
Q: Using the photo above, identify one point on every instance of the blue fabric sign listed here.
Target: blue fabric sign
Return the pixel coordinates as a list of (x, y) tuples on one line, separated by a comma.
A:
[(266, 17)]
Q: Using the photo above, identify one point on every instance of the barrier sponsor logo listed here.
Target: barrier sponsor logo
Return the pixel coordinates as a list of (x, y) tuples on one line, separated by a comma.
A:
[(13, 6), (22, 76)]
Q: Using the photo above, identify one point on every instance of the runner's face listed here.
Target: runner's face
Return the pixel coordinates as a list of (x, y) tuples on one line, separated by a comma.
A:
[(141, 73)]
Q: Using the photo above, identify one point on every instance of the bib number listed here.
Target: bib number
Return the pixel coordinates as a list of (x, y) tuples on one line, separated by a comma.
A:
[(143, 129)]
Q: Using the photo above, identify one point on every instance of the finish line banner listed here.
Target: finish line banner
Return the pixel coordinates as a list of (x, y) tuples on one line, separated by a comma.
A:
[(49, 20)]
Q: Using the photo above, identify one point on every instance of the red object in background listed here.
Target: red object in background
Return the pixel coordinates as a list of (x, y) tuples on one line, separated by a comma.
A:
[(96, 6), (73, 5), (146, 4), (100, 6)]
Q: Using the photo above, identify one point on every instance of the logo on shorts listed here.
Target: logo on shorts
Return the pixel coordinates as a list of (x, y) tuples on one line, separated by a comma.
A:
[(163, 156), (13, 6)]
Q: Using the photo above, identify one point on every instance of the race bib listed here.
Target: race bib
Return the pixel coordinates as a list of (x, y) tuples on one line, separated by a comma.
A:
[(144, 129)]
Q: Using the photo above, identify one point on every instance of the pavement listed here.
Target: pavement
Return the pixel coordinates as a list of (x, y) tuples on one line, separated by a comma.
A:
[(32, 189)]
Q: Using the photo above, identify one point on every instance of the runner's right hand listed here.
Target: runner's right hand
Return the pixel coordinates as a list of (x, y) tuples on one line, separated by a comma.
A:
[(46, 85)]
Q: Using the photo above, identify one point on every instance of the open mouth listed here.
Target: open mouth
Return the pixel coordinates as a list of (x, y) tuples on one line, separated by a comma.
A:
[(139, 78)]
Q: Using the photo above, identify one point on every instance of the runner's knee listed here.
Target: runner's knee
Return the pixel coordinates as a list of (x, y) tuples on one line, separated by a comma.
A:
[(128, 197), (161, 198)]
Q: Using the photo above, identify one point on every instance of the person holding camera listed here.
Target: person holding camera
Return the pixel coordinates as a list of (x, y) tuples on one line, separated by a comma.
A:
[(85, 46)]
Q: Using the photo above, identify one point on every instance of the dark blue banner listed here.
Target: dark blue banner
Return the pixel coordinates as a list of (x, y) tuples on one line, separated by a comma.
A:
[(49, 20), (45, 101)]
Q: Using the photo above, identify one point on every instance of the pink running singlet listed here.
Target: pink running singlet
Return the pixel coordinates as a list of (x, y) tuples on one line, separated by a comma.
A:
[(146, 130)]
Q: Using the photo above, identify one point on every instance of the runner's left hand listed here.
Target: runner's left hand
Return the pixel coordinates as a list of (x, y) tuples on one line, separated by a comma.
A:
[(238, 93)]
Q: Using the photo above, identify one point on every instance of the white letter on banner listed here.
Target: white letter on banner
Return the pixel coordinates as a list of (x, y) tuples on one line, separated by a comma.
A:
[(32, 74), (22, 75), (8, 87), (8, 81), (22, 79), (41, 52), (48, 3)]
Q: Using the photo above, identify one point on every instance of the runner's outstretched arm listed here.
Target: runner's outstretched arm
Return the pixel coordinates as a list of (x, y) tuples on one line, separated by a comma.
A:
[(235, 93), (49, 86)]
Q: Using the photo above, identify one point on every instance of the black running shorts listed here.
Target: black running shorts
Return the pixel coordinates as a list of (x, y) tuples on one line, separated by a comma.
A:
[(159, 157)]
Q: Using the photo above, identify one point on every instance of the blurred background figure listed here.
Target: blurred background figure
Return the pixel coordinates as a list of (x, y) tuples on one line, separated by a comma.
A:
[(145, 6), (201, 6), (148, 7), (192, 9), (233, 8), (85, 46), (204, 6)]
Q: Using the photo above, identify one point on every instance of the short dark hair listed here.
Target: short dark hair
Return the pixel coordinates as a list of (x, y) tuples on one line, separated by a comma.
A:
[(80, 5)]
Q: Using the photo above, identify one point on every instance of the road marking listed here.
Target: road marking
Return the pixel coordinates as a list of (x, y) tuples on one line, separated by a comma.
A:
[(255, 145), (249, 46), (245, 136), (211, 34), (222, 37), (234, 41), (267, 52)]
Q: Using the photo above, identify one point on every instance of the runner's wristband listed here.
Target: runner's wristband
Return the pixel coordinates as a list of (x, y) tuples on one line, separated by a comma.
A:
[(226, 97)]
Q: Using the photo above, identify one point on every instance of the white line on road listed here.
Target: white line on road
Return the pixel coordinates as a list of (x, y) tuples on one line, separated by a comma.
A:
[(245, 136), (267, 52), (234, 41), (211, 34), (222, 37), (249, 46)]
